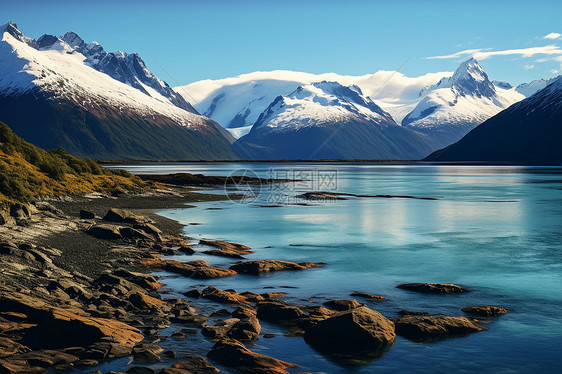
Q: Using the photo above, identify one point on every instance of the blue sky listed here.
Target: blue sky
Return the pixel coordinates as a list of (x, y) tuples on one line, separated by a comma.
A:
[(185, 41)]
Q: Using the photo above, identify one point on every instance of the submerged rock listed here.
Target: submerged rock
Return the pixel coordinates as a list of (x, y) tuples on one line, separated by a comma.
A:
[(352, 332), (438, 288), (427, 328), (485, 310), (193, 365), (367, 295), (264, 266), (193, 269)]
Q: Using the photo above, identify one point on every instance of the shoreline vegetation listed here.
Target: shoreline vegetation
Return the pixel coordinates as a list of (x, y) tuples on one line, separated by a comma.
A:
[(77, 289)]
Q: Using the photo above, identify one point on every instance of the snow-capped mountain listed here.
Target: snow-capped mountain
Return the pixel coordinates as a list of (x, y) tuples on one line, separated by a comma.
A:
[(455, 105), (51, 95), (529, 131), (528, 89), (327, 120), (237, 102)]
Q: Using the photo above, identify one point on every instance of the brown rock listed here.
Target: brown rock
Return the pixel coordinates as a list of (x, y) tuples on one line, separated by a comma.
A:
[(263, 266), (19, 367), (192, 269), (193, 365), (143, 301), (223, 296), (232, 353), (278, 311), (228, 246), (352, 332), (485, 310), (434, 327), (9, 347), (439, 288)]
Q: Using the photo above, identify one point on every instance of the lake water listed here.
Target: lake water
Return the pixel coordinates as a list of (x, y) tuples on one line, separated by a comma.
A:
[(496, 230)]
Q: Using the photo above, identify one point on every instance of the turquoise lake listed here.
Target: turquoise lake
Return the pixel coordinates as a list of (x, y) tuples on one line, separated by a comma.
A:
[(494, 229)]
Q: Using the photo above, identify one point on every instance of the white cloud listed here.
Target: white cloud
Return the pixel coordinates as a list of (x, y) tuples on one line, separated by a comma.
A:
[(482, 54), (552, 36), (554, 71), (528, 67)]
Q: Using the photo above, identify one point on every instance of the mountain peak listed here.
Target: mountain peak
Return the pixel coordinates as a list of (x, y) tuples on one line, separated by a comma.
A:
[(72, 39), (471, 79), (12, 29)]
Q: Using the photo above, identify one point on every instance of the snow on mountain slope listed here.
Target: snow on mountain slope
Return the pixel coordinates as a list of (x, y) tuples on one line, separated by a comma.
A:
[(532, 87), (454, 106), (329, 120), (52, 96), (64, 72), (238, 101), (529, 131)]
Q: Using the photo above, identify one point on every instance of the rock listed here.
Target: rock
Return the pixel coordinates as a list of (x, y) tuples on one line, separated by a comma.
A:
[(39, 256), (218, 252), (233, 354), (145, 281), (143, 301), (13, 316), (263, 266), (104, 231), (220, 313), (228, 247), (195, 269), (47, 358), (352, 332), (193, 365), (86, 214), (223, 296), (149, 229), (106, 350), (367, 295), (124, 216), (19, 367), (220, 329), (9, 347), (186, 249), (246, 330), (131, 233), (434, 327), (344, 304), (485, 310), (141, 370), (194, 293), (438, 288), (147, 353), (278, 311)]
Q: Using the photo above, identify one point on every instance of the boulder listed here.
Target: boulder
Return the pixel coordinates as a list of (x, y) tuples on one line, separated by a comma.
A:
[(86, 214), (106, 350), (124, 216), (131, 233), (245, 330), (141, 370), (234, 354), (263, 266), (352, 332), (143, 301), (437, 288), (343, 304), (428, 328), (10, 366), (186, 249), (47, 358), (485, 310), (147, 353), (278, 311), (104, 231), (223, 296)]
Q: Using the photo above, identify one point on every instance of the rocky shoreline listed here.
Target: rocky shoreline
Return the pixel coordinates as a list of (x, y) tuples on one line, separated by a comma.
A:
[(76, 290)]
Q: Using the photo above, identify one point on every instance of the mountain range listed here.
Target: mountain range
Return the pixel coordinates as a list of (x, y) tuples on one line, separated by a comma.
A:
[(439, 109), (529, 131), (62, 92)]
